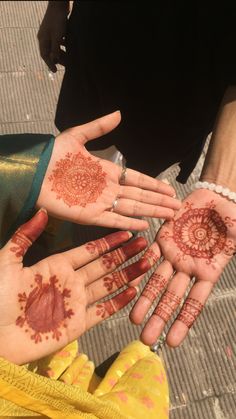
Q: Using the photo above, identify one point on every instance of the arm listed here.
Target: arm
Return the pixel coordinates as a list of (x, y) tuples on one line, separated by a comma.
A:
[(198, 243), (49, 304), (73, 185), (219, 166), (52, 32)]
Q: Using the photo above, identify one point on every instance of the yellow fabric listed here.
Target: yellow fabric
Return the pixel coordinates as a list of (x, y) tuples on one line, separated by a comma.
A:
[(135, 386)]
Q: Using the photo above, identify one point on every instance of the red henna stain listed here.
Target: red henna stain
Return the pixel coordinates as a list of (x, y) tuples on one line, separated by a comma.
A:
[(78, 180), (167, 305), (101, 246), (113, 259), (152, 256), (122, 254), (155, 285), (44, 309), (190, 311), (28, 233), (118, 279), (200, 232), (109, 307), (134, 247)]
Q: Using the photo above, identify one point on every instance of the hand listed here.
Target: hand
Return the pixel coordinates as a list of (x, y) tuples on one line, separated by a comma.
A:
[(48, 305), (82, 188), (52, 32), (198, 242)]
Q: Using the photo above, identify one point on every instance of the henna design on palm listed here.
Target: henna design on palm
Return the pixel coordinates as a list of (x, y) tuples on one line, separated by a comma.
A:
[(201, 233), (44, 309), (78, 180)]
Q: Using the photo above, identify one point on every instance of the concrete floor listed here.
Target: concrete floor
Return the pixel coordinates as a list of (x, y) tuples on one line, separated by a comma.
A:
[(202, 372)]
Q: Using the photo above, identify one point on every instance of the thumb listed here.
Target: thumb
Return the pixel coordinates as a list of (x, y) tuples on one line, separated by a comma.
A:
[(96, 128), (26, 234)]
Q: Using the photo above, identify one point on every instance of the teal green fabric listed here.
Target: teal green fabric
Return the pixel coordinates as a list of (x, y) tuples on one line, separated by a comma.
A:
[(23, 162)]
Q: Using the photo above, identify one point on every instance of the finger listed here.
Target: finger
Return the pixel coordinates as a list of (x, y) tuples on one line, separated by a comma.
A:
[(131, 208), (110, 261), (155, 286), (96, 128), (102, 311), (82, 255), (140, 180), (111, 219), (165, 309), (190, 311), (26, 234), (116, 280), (149, 197)]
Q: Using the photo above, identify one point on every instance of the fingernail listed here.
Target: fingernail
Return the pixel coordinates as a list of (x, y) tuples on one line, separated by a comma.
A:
[(137, 288), (42, 210)]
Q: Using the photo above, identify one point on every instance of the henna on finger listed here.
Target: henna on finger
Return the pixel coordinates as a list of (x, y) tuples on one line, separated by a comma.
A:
[(109, 307), (119, 256), (190, 311), (104, 244), (154, 286), (117, 280), (152, 256), (167, 305), (28, 233)]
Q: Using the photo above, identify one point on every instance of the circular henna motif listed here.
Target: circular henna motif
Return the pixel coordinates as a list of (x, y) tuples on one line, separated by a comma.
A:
[(200, 232), (78, 180), (44, 309)]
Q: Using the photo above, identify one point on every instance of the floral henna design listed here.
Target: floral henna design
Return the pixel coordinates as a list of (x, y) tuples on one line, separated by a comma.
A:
[(152, 256), (201, 233), (167, 306), (101, 246), (78, 180), (113, 259), (119, 256), (44, 309), (109, 307), (116, 280), (153, 288), (190, 311), (22, 244)]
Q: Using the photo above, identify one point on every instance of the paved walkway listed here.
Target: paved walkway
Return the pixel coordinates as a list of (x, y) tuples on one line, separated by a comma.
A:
[(202, 372)]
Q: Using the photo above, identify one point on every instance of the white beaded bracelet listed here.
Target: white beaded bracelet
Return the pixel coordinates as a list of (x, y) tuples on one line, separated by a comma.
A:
[(216, 188)]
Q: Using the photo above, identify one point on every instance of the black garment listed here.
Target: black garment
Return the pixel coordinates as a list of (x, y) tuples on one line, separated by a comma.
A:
[(164, 64)]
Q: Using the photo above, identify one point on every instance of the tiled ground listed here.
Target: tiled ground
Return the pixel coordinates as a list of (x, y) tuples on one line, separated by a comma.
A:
[(202, 372)]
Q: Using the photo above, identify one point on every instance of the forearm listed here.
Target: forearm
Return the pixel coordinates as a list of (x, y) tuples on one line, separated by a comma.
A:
[(23, 162), (219, 166)]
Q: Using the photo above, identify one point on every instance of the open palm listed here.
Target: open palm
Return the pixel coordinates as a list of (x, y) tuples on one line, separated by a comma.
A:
[(82, 188), (198, 242), (48, 305)]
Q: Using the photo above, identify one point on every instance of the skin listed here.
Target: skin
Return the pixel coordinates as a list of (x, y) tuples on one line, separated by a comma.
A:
[(198, 243), (81, 188), (49, 304)]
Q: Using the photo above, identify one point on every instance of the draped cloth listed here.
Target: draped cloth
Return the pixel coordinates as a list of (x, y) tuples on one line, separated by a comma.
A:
[(64, 385)]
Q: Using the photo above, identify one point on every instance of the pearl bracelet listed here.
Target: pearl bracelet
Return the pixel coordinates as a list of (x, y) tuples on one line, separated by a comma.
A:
[(217, 188)]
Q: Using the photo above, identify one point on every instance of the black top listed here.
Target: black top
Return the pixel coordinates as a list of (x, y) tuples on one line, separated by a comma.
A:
[(164, 64)]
